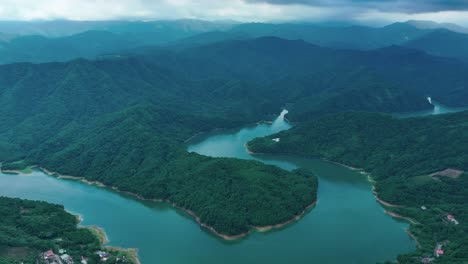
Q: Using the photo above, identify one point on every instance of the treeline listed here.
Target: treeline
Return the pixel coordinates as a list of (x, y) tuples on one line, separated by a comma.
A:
[(401, 154), (32, 227)]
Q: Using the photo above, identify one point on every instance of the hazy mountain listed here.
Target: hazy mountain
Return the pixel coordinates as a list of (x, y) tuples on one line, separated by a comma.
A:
[(42, 49), (442, 42), (109, 37), (349, 37), (104, 38), (425, 24), (59, 28)]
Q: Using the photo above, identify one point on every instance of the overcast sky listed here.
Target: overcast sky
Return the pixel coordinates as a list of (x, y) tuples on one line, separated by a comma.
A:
[(375, 12)]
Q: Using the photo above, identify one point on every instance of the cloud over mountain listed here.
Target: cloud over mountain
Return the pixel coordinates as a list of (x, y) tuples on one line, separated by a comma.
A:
[(362, 11)]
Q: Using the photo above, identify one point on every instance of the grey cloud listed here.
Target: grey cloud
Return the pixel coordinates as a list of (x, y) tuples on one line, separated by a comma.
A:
[(404, 6)]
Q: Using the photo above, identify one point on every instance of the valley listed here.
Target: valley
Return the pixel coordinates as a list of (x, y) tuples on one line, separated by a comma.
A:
[(171, 142)]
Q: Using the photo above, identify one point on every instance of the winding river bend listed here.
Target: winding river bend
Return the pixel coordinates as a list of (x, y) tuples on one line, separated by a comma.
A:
[(346, 226)]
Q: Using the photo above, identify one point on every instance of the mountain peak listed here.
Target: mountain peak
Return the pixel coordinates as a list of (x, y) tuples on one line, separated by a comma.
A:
[(428, 24)]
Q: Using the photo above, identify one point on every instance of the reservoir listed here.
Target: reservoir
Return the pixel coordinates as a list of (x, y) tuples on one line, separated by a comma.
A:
[(346, 226)]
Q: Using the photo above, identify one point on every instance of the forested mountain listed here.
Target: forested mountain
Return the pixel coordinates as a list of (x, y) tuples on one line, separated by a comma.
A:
[(123, 119), (409, 159), (442, 43), (434, 39), (124, 122), (116, 101), (312, 80), (347, 37), (66, 40), (427, 24), (55, 41), (163, 28)]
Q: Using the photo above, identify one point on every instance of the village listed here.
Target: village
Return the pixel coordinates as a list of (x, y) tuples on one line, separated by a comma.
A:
[(438, 249), (50, 257)]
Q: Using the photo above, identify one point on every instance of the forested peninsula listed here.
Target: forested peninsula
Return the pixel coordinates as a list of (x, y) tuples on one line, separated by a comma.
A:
[(419, 165)]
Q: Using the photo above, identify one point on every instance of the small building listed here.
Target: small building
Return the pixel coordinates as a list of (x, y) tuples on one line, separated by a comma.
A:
[(427, 260), (103, 255), (440, 251), (423, 208), (67, 258), (62, 251), (452, 219), (48, 254), (276, 140)]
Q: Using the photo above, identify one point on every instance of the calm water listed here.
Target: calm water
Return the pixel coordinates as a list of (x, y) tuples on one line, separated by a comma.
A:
[(346, 226)]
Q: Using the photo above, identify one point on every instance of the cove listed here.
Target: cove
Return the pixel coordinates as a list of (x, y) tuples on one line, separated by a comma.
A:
[(346, 226)]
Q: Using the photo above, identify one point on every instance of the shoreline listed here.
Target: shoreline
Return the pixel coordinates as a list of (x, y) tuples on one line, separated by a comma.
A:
[(395, 215), (188, 211), (290, 221), (249, 151), (25, 171), (418, 245), (100, 233), (375, 193)]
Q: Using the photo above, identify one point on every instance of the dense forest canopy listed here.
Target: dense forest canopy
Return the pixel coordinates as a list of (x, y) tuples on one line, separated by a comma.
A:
[(409, 159), (123, 119), (120, 113)]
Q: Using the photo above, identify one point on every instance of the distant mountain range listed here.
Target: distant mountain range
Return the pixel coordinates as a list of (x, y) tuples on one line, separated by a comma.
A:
[(61, 28), (425, 24), (90, 39)]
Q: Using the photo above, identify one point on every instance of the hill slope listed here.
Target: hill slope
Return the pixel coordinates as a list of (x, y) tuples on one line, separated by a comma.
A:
[(124, 123), (442, 43), (123, 120)]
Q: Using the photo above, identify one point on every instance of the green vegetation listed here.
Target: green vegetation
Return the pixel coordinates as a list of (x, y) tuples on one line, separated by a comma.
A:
[(124, 123), (124, 120), (20, 166), (402, 155), (146, 156), (29, 228)]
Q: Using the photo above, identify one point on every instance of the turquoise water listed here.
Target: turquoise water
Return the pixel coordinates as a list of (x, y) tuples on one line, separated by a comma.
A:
[(346, 226)]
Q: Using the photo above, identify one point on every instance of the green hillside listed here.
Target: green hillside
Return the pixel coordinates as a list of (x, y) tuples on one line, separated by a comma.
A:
[(123, 120)]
